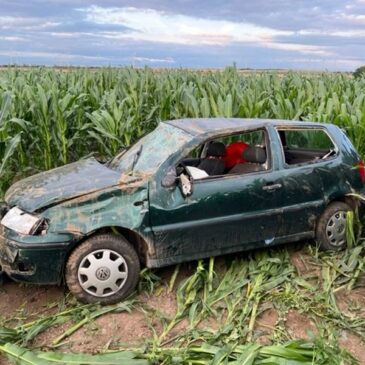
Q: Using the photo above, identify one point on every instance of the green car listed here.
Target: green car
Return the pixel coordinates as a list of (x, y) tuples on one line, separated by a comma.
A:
[(192, 188)]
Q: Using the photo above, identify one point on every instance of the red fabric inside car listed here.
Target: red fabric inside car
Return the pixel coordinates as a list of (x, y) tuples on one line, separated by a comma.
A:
[(234, 153)]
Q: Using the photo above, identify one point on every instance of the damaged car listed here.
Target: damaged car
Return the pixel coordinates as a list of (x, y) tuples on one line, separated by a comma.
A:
[(191, 189)]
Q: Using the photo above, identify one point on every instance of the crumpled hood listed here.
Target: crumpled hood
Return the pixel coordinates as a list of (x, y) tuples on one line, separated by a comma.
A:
[(66, 182)]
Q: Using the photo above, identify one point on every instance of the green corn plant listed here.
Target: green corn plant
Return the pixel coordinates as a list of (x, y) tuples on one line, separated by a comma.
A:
[(82, 314), (66, 115), (10, 146), (294, 353)]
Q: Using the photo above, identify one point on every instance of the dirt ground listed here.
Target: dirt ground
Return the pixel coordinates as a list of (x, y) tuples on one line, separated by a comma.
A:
[(23, 303)]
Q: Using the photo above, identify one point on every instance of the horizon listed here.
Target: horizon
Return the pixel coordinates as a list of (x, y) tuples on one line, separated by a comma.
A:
[(165, 68)]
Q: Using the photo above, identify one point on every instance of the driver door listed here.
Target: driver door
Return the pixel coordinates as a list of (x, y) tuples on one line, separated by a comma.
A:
[(223, 214)]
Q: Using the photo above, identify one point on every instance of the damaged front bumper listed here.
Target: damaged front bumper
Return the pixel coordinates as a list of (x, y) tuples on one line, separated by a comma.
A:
[(34, 259)]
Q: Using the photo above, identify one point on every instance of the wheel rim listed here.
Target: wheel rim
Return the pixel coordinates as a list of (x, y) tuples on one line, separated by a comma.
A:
[(336, 229), (102, 273)]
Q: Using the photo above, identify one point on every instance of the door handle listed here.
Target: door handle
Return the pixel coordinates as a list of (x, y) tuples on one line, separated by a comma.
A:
[(271, 187)]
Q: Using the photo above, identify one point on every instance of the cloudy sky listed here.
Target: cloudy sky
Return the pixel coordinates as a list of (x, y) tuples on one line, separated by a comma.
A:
[(301, 34)]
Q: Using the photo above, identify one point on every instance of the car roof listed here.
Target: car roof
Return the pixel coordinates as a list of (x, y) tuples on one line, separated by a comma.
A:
[(197, 126)]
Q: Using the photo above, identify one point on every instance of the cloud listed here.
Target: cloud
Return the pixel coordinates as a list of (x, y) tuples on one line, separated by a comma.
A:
[(161, 27), (348, 33), (150, 25), (25, 23), (53, 55), (301, 48), (153, 60), (68, 35), (12, 38), (354, 19)]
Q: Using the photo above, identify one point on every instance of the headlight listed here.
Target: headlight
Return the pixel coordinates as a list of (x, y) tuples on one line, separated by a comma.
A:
[(21, 222)]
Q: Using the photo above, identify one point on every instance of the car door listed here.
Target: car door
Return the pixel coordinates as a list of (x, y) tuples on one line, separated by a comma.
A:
[(302, 201), (223, 214), (303, 185)]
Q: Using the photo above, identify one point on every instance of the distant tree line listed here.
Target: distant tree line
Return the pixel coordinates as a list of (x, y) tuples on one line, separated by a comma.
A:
[(359, 72)]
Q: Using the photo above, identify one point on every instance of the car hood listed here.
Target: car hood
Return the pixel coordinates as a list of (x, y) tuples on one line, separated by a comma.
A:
[(63, 183)]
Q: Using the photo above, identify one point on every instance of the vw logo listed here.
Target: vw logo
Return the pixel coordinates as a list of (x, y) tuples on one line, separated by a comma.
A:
[(103, 273)]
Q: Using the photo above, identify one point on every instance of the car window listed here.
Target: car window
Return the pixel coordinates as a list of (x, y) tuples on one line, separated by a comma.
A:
[(306, 145), (252, 138), (147, 154), (239, 153)]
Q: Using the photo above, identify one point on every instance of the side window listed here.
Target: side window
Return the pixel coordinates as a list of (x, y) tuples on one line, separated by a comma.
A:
[(239, 153), (306, 145), (252, 138)]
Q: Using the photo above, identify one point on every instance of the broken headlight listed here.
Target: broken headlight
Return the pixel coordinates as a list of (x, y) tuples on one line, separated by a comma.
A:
[(22, 222)]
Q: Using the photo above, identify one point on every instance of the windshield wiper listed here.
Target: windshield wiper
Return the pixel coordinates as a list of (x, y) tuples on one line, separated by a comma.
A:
[(136, 158)]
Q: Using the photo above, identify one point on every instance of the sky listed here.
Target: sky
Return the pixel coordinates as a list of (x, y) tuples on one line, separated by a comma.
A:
[(295, 34)]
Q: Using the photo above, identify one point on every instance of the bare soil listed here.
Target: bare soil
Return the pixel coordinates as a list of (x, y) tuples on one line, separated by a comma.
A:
[(21, 303)]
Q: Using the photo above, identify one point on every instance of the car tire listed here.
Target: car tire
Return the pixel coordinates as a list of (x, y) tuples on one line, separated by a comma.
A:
[(104, 269), (331, 227)]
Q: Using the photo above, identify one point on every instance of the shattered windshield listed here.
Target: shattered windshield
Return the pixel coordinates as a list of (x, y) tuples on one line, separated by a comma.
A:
[(151, 151)]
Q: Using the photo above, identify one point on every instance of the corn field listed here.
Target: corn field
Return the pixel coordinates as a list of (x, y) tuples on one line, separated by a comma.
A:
[(52, 117)]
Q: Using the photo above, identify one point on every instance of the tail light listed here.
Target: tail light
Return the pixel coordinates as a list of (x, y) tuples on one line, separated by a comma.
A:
[(361, 169)]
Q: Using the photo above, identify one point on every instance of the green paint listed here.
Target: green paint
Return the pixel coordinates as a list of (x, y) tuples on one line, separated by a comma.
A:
[(227, 213)]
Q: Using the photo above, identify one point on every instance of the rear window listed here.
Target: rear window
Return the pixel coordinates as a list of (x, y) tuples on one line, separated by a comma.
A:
[(307, 139), (306, 145)]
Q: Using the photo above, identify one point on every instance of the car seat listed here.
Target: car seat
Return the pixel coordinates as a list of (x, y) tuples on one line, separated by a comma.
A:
[(255, 158), (214, 164)]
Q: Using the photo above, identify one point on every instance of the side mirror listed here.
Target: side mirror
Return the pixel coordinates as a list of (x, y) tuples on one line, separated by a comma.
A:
[(170, 178), (185, 185)]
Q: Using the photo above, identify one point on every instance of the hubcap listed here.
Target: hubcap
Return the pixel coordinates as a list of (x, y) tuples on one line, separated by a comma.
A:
[(102, 273), (336, 229)]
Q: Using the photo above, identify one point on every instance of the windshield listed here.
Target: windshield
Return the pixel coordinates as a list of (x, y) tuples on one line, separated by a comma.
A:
[(152, 150)]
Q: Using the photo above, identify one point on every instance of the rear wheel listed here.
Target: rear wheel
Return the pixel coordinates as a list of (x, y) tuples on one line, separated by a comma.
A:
[(105, 269), (331, 227)]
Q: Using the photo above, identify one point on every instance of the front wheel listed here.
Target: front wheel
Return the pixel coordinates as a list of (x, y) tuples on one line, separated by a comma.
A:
[(331, 227), (104, 269)]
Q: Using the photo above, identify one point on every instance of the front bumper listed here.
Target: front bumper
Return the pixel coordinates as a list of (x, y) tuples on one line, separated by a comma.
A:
[(34, 259)]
